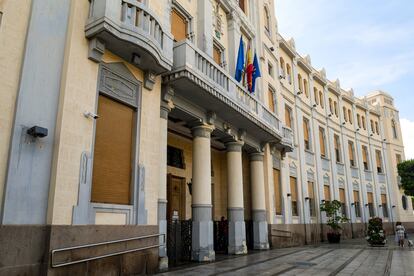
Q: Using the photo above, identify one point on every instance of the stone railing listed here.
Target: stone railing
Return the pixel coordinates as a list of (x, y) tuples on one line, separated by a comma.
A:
[(288, 135), (130, 28), (188, 56)]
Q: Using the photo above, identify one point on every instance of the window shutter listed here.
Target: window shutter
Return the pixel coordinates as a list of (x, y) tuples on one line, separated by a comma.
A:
[(216, 54), (384, 199), (356, 196), (342, 195), (271, 100), (311, 190), (178, 26), (322, 142), (370, 197), (113, 151), (278, 193), (364, 154), (351, 151), (327, 192), (306, 130), (293, 188), (378, 157), (288, 119)]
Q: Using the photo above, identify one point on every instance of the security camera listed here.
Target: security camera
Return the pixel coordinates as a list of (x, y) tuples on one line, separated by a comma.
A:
[(91, 115)]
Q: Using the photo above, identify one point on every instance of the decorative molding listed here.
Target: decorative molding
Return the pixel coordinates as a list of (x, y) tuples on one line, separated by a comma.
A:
[(149, 79)]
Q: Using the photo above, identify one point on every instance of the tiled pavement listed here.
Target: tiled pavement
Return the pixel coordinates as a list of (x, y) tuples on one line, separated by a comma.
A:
[(353, 257)]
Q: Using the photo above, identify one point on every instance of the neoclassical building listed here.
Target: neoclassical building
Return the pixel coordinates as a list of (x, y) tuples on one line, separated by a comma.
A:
[(128, 146)]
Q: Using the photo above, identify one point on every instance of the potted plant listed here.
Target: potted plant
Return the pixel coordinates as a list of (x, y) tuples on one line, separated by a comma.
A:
[(375, 233), (334, 216)]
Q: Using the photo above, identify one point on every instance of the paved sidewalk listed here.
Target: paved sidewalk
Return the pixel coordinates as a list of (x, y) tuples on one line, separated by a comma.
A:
[(352, 257)]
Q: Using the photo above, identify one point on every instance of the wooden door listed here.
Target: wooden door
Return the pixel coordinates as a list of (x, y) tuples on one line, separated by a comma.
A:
[(176, 198), (278, 192)]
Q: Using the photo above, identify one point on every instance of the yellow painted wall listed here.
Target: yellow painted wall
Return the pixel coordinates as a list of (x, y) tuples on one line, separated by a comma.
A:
[(13, 30)]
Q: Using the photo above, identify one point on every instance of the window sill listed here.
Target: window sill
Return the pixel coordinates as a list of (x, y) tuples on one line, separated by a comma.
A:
[(367, 171), (325, 158), (339, 163), (309, 151)]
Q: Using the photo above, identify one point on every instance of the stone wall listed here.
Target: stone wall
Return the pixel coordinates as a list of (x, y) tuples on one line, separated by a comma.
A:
[(29, 250)]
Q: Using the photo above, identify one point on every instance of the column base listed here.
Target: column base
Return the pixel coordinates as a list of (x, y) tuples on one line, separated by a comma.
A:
[(260, 230), (202, 234), (237, 232)]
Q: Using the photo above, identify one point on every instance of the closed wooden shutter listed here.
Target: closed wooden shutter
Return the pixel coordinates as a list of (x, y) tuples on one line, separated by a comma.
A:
[(112, 153), (378, 157), (364, 154), (350, 116), (330, 106), (271, 100), (351, 152), (311, 190), (278, 193), (217, 55), (293, 192), (321, 99), (178, 26), (345, 114), (384, 199), (288, 119), (356, 196), (315, 95), (370, 197), (336, 142), (342, 195), (241, 5), (306, 130), (327, 192), (322, 142), (359, 120)]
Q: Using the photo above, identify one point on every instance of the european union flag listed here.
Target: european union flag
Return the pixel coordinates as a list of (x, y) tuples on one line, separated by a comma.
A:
[(256, 72), (240, 62)]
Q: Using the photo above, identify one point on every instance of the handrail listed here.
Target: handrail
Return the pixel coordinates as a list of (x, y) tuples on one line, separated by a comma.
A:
[(105, 255)]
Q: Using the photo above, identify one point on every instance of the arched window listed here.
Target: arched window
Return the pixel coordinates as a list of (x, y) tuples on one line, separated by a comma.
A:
[(336, 108), (300, 83), (363, 122), (315, 94), (350, 116), (330, 105), (305, 87), (345, 114), (321, 99), (394, 129), (404, 202), (282, 67), (267, 19), (288, 72), (359, 120)]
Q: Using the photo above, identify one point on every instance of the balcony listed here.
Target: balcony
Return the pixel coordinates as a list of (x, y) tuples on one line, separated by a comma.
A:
[(199, 79), (131, 30)]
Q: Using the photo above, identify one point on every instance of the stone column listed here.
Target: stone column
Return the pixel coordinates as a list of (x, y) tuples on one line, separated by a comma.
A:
[(235, 208), (202, 232), (260, 234), (165, 108)]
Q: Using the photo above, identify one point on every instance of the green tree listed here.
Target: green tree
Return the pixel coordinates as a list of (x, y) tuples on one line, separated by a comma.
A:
[(406, 172), (331, 208)]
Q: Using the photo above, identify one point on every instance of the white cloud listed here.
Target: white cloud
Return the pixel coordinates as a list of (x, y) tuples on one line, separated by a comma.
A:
[(407, 128)]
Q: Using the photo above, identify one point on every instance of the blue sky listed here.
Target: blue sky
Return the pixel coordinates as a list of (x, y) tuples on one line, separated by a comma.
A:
[(367, 44)]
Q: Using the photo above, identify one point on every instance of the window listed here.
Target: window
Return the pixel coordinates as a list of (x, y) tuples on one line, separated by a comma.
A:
[(371, 204), (342, 200), (175, 157), (363, 122), (267, 20), (337, 148), (315, 95), (288, 116), (278, 191), (300, 83), (111, 180), (305, 87), (351, 153), (336, 109), (312, 202), (357, 204), (398, 158), (404, 202), (321, 100), (294, 196), (376, 128), (330, 106), (271, 99), (306, 136), (327, 193), (372, 126), (178, 26), (322, 141), (350, 116), (217, 53), (242, 5), (270, 69), (282, 67), (345, 114), (288, 72), (394, 129), (359, 120), (379, 161), (365, 157), (384, 205)]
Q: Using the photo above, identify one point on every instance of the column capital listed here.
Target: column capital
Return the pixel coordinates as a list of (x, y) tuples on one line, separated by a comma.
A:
[(257, 156), (202, 131), (234, 146)]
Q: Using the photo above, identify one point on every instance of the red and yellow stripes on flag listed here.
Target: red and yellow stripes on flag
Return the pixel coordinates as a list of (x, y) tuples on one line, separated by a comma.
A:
[(249, 68)]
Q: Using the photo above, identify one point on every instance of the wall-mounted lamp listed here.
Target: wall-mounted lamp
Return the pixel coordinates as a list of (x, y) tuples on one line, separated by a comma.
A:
[(37, 131), (353, 203), (366, 205), (288, 194), (272, 48), (393, 206), (299, 92), (357, 129), (323, 200), (380, 206), (307, 198), (91, 115)]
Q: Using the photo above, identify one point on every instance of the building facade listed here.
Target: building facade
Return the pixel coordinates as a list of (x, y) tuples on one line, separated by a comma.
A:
[(121, 121)]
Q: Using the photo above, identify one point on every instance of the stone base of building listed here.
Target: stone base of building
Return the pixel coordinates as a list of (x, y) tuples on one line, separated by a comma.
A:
[(26, 250)]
